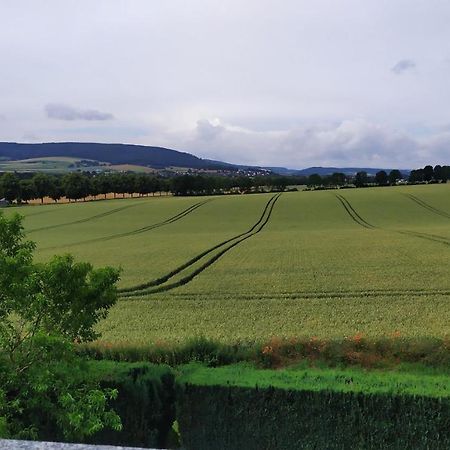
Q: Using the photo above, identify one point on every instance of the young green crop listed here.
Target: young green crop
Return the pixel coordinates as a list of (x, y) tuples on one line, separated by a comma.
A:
[(326, 263)]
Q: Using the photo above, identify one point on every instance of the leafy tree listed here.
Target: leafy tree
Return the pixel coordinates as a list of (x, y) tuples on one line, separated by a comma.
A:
[(441, 173), (56, 189), (314, 180), (361, 179), (10, 187), (42, 185), (27, 191), (44, 309), (394, 176), (76, 186), (428, 173), (338, 178), (381, 178)]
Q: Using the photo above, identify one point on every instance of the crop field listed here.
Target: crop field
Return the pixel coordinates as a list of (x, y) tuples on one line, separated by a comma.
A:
[(247, 267)]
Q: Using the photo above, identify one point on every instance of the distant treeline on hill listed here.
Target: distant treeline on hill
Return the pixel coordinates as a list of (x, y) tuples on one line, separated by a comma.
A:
[(80, 185), (438, 174)]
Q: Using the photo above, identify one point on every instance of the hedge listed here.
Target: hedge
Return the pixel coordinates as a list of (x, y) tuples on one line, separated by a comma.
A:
[(146, 403), (215, 414)]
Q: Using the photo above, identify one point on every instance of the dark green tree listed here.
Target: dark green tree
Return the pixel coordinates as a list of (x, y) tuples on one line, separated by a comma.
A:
[(10, 187), (361, 179), (381, 178), (428, 173), (76, 186), (394, 176), (314, 180), (44, 309), (42, 185)]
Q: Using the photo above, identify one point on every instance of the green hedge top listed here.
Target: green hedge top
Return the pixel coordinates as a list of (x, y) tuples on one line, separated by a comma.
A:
[(120, 371), (368, 382)]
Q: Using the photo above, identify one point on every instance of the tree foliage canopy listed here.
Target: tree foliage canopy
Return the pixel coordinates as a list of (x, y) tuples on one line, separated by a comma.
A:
[(44, 309)]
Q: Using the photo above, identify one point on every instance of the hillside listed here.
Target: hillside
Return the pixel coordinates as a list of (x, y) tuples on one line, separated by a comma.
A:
[(140, 155)]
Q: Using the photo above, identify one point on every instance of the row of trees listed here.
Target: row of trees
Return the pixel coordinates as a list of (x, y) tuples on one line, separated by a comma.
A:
[(77, 185), (438, 174), (381, 178)]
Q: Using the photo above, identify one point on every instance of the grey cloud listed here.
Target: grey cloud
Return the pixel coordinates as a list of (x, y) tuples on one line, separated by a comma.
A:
[(350, 142), (403, 66), (208, 131), (61, 111)]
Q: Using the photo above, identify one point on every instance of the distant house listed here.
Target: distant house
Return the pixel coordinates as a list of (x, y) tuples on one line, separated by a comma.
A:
[(3, 202)]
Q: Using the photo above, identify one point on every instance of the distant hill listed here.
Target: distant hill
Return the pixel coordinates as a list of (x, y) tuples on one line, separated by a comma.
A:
[(140, 155), (329, 170)]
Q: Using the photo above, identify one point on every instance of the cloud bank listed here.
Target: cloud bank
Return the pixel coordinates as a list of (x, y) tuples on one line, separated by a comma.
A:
[(61, 111), (349, 142)]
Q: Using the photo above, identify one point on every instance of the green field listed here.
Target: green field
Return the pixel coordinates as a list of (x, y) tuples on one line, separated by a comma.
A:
[(247, 267)]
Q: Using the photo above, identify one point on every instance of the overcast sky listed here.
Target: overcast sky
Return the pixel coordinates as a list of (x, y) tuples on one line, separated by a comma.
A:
[(270, 82)]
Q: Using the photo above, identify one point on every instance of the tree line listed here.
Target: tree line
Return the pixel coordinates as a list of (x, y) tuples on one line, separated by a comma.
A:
[(438, 174), (80, 185)]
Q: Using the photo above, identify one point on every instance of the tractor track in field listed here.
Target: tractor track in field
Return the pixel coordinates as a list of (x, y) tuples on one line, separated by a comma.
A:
[(353, 214), (158, 285), (168, 221), (362, 222), (428, 207), (87, 219), (323, 295)]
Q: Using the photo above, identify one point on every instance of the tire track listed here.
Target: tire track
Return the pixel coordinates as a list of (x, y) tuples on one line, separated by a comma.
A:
[(353, 214), (428, 237), (428, 207), (362, 222), (159, 284), (324, 295), (168, 221), (87, 219)]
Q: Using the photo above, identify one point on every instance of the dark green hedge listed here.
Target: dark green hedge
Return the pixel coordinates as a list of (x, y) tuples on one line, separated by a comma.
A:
[(232, 418), (146, 403)]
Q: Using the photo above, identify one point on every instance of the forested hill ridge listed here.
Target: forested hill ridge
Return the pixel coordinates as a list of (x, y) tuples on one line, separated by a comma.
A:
[(140, 155), (158, 158)]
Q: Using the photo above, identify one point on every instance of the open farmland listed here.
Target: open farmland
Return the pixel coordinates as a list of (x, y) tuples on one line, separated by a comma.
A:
[(324, 263)]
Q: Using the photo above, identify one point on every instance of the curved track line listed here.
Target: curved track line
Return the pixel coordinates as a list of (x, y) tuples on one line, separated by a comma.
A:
[(87, 219), (360, 221), (168, 221), (159, 285), (428, 207), (352, 213)]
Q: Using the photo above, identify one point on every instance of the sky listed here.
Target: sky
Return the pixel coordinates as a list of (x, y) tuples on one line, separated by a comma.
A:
[(290, 83)]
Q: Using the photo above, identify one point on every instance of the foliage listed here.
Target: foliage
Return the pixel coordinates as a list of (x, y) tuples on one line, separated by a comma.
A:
[(44, 308)]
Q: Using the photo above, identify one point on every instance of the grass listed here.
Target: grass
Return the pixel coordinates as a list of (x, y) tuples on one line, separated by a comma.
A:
[(46, 164), (315, 380), (372, 261)]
